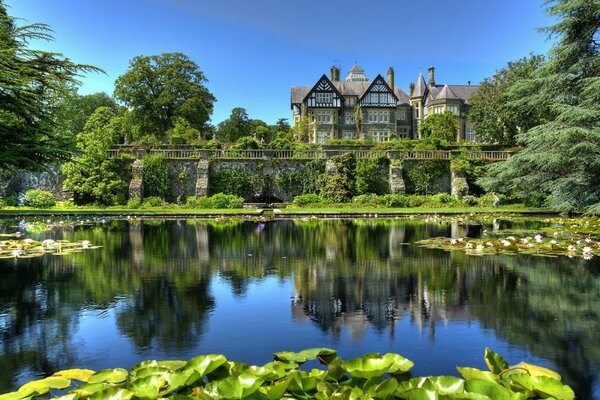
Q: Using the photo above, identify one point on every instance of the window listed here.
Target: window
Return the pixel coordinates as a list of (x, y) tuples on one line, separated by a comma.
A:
[(379, 136), (296, 109), (348, 118), (350, 101), (454, 109), (323, 117), (470, 135), (378, 116), (324, 98), (438, 109), (402, 114), (322, 136), (416, 112), (349, 134)]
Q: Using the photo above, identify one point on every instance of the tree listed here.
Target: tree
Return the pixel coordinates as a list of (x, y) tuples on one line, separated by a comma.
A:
[(498, 119), (91, 176), (282, 125), (236, 126), (157, 90), (31, 84), (561, 156), (183, 132), (442, 126)]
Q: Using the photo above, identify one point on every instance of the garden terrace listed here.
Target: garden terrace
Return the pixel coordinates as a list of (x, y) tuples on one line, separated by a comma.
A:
[(190, 153)]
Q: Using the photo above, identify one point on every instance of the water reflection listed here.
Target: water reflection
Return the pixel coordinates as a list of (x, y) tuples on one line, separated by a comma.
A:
[(155, 290)]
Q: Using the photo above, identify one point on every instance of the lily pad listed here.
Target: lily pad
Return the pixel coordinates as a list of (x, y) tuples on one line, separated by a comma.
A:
[(113, 375)]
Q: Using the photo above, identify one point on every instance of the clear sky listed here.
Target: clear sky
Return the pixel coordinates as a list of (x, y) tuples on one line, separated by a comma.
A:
[(253, 51)]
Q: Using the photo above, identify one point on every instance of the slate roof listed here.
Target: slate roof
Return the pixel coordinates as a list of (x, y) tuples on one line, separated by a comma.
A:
[(420, 87), (446, 93), (347, 88)]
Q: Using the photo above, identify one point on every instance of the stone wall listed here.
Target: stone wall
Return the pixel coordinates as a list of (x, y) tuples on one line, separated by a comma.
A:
[(193, 177)]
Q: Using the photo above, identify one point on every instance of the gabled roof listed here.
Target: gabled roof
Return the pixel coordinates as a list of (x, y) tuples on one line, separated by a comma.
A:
[(347, 89), (324, 80), (299, 93), (356, 74), (379, 81), (420, 87), (446, 93)]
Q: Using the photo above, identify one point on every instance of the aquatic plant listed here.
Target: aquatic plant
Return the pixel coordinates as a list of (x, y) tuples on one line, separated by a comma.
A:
[(372, 376), (27, 248)]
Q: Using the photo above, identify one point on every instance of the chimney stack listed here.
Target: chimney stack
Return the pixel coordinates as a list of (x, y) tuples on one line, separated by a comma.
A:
[(335, 74), (431, 75), (469, 82), (390, 77), (411, 89)]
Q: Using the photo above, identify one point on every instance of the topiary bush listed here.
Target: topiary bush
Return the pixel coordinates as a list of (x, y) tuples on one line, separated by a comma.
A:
[(39, 199)]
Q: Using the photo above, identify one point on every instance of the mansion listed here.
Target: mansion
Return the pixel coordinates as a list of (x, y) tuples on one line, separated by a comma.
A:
[(358, 108)]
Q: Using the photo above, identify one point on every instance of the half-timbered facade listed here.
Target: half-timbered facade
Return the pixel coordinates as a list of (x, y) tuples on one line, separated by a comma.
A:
[(357, 108)]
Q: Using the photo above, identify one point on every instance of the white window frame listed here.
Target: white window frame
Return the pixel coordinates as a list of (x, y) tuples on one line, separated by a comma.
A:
[(438, 109), (323, 117), (402, 114), (349, 118), (350, 101), (322, 136), (470, 135), (348, 134)]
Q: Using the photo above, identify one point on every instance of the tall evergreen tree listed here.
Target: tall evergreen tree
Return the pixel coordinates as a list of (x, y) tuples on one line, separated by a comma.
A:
[(31, 84), (562, 156)]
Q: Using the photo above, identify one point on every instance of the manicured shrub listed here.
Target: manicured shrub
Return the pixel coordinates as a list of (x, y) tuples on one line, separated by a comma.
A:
[(221, 200), (39, 199), (307, 199), (198, 202)]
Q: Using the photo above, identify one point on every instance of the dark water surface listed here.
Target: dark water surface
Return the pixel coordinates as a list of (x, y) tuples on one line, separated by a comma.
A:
[(176, 289)]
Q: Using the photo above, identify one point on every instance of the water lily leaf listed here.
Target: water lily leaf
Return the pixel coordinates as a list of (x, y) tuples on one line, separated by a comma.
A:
[(112, 393), (170, 364), (205, 364), (77, 374), (18, 395), (302, 382), (113, 375), (495, 362), (492, 390), (536, 370), (43, 386), (90, 388), (368, 366), (544, 386), (335, 372), (272, 371), (467, 396), (399, 364), (157, 370), (447, 384), (276, 390), (422, 394), (384, 389), (148, 387), (415, 383), (237, 387), (68, 396), (474, 373)]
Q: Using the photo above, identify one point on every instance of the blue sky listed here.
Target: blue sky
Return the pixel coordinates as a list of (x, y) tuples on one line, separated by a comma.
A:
[(253, 51)]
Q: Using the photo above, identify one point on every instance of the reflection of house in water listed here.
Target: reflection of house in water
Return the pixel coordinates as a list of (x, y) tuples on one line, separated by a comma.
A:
[(374, 294)]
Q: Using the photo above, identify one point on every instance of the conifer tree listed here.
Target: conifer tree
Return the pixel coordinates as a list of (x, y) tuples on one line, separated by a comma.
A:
[(562, 156), (31, 82)]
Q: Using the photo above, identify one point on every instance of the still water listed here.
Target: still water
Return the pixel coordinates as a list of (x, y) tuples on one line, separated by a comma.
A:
[(176, 289)]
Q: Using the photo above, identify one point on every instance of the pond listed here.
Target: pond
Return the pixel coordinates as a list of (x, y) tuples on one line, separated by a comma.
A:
[(179, 288)]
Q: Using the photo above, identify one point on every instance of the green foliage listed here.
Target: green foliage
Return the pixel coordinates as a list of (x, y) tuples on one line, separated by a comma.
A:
[(156, 177), (246, 142), (152, 201), (158, 91), (91, 176), (9, 201), (302, 130), (422, 174), (236, 126), (134, 203), (497, 118), (561, 154), (39, 199), (340, 186), (370, 376), (372, 176), (221, 200), (307, 199), (236, 181), (301, 181), (183, 132), (32, 84), (198, 202), (443, 127), (469, 200)]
